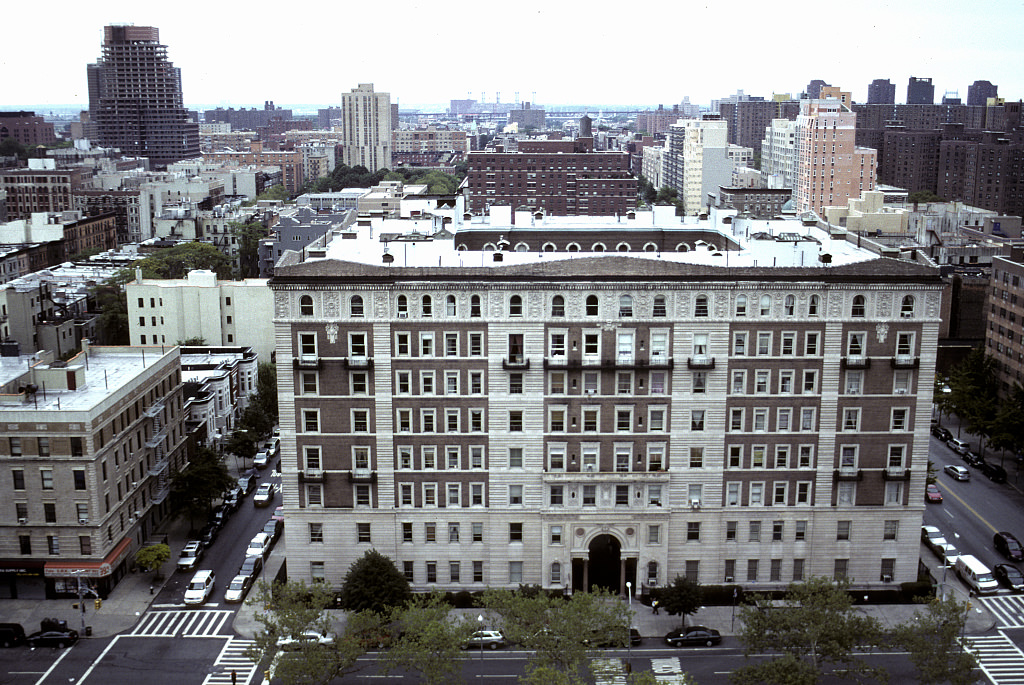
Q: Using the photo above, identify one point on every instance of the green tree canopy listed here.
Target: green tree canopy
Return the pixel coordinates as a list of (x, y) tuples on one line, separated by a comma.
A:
[(816, 629), (932, 637), (194, 489), (152, 557), (682, 597), (177, 261), (430, 641), (249, 236), (373, 583), (112, 324), (265, 398)]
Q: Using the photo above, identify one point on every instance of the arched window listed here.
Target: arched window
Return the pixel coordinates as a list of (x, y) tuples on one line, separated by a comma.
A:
[(650, 247), (522, 247), (625, 306), (356, 306), (592, 305), (572, 247), (858, 307), (306, 305), (450, 308), (622, 247), (403, 307), (812, 306), (558, 306), (489, 247), (766, 305), (556, 573), (741, 305), (907, 308), (474, 306), (789, 305), (700, 306), (660, 310), (548, 247), (515, 306), (598, 247), (682, 247), (428, 306)]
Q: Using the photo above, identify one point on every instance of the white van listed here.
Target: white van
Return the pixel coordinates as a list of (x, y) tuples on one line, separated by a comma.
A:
[(975, 574)]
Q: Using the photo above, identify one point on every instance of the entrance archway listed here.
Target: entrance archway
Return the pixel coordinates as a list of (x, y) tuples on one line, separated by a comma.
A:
[(605, 563)]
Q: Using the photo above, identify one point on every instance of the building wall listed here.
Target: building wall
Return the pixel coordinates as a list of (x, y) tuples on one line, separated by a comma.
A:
[(1004, 338), (366, 127), (675, 389), (831, 169)]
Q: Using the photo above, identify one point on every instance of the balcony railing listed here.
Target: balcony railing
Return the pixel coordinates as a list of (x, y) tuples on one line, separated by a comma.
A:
[(307, 361), (848, 473), (622, 361), (516, 362), (896, 473), (856, 361), (362, 475), (359, 362), (905, 361), (313, 475), (701, 361)]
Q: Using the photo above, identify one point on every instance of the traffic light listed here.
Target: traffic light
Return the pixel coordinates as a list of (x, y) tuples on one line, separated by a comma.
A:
[(99, 602)]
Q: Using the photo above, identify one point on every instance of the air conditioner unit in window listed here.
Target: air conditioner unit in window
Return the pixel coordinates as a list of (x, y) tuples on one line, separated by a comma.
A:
[(695, 504), (135, 484), (403, 315), (22, 521), (886, 578), (590, 468), (83, 521), (728, 579), (901, 391), (590, 391)]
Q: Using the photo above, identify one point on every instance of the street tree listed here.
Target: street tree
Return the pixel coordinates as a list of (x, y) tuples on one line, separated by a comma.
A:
[(683, 597), (112, 324), (241, 444), (932, 637), (292, 609), (1008, 424), (974, 393), (152, 557), (373, 583), (249, 236), (560, 630), (194, 489), (430, 642), (177, 261), (256, 422), (816, 630), (265, 397)]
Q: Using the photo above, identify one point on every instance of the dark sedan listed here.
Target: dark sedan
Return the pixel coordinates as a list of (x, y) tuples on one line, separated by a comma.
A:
[(273, 528), (53, 638), (941, 433), (251, 567), (1010, 576), (1008, 545), (693, 636)]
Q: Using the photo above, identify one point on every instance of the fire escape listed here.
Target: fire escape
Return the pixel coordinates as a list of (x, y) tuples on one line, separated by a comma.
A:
[(161, 461)]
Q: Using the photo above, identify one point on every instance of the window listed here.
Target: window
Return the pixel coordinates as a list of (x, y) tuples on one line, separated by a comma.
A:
[(558, 306), (904, 344), (798, 570), (757, 453), (362, 495), (700, 306), (427, 424), (732, 494), (752, 570), (893, 493), (426, 344), (515, 383), (430, 494), (555, 535), (693, 531), (453, 532), (765, 305), (589, 495), (789, 305), (760, 420), (735, 456), (307, 345), (899, 419), (478, 531), (79, 477), (516, 350), (306, 306), (739, 382), (476, 344), (556, 495), (847, 493), (779, 493), (843, 530), (761, 379), (890, 529), (812, 305), (556, 345), (810, 384), (430, 532), (625, 306), (46, 477), (515, 572), (360, 420), (476, 382), (403, 307), (786, 382), (451, 344), (362, 532), (811, 344), (515, 494), (431, 571), (803, 492), (888, 568), (355, 307), (851, 419), (515, 532), (406, 531), (53, 544), (659, 306), (515, 457), (515, 306), (474, 306), (858, 308), (44, 451), (657, 382), (453, 571), (741, 305), (450, 306), (401, 344), (696, 420), (755, 531), (841, 567), (624, 383), (756, 494), (592, 305), (50, 512), (739, 344), (907, 308), (696, 457), (308, 380), (730, 531), (700, 381), (515, 421), (764, 344), (18, 480)]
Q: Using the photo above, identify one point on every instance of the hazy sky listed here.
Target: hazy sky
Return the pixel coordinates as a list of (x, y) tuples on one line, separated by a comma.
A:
[(565, 52)]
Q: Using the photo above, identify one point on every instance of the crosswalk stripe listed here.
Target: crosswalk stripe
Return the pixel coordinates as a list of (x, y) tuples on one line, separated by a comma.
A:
[(1008, 609), (231, 659), (999, 658), (189, 623)]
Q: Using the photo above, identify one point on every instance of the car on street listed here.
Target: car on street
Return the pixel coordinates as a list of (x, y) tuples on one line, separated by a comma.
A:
[(1010, 576), (941, 433), (693, 636), (957, 472), (190, 555), (247, 482), (491, 639), (209, 533), (237, 589), (615, 638), (1008, 545), (973, 459), (52, 638), (220, 515), (292, 643), (261, 460), (947, 551), (931, 536), (11, 634), (278, 514), (272, 446), (959, 446), (259, 546), (994, 472), (200, 587), (273, 528), (932, 493), (264, 495), (232, 498), (251, 567)]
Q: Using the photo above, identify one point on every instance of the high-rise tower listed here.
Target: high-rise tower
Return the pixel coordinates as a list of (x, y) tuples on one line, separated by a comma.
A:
[(135, 99), (366, 127)]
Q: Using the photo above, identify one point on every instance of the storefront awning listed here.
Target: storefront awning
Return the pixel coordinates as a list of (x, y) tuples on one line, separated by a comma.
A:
[(89, 569)]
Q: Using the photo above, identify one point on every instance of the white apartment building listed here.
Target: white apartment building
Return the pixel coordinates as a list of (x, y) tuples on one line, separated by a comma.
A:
[(778, 153), (697, 161), (653, 166), (366, 127), (166, 311)]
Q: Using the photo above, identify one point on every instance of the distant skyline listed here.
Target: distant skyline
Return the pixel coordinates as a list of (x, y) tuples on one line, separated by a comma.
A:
[(564, 52)]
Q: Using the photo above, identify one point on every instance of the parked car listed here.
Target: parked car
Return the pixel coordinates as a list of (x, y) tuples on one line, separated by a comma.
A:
[(932, 536), (220, 515), (247, 482), (995, 472), (209, 533), (200, 587), (278, 514), (190, 555), (261, 460), (973, 459), (11, 634), (941, 433), (932, 493), (957, 472), (1010, 576), (615, 638), (52, 638), (264, 495), (946, 551), (273, 528), (232, 498), (251, 567), (1008, 545), (272, 446), (309, 637), (491, 639), (258, 546), (238, 589), (958, 446), (692, 636)]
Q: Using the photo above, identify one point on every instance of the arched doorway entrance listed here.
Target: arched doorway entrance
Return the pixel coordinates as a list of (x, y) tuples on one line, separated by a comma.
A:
[(605, 563)]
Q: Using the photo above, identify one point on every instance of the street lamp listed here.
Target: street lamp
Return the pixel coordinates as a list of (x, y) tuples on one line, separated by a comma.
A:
[(629, 592), (480, 621)]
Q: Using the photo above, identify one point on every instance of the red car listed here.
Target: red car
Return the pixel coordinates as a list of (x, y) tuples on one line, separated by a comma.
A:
[(932, 494)]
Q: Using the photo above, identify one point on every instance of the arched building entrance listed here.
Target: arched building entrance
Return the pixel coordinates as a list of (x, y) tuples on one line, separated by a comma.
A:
[(604, 567)]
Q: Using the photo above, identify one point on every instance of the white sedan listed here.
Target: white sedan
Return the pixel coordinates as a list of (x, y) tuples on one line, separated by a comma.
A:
[(264, 495)]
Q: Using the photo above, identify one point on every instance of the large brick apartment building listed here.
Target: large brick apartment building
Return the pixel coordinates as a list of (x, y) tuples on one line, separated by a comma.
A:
[(747, 405)]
